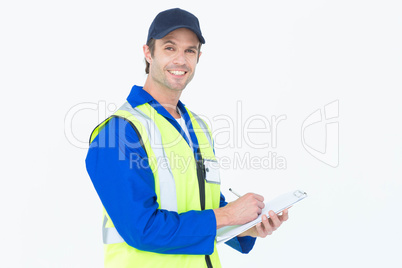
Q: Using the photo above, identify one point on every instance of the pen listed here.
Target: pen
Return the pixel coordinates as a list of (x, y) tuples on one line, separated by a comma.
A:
[(230, 189)]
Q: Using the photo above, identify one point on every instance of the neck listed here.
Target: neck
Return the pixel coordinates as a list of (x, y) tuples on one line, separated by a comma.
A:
[(166, 97)]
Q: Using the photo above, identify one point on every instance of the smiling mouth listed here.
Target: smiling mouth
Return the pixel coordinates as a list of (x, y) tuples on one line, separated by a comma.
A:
[(179, 73)]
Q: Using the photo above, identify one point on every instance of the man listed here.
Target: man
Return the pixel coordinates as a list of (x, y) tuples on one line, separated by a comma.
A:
[(154, 168)]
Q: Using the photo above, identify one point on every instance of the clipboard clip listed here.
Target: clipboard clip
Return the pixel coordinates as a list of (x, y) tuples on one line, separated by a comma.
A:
[(299, 194)]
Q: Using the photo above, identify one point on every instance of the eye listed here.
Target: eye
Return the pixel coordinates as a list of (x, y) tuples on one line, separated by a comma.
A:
[(169, 48), (191, 51)]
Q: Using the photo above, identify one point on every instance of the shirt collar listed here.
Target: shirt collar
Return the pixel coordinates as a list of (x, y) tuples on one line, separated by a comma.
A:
[(139, 96)]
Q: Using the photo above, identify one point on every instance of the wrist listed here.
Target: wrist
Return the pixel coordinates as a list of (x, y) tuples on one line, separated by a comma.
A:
[(249, 232), (222, 217)]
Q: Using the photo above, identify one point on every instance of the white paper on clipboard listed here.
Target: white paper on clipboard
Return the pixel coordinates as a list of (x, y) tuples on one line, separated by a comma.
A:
[(277, 205)]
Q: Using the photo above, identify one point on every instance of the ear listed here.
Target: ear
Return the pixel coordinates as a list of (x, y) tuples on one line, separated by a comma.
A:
[(147, 53)]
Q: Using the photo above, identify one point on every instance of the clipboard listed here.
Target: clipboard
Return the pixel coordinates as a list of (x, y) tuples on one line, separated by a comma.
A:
[(277, 205)]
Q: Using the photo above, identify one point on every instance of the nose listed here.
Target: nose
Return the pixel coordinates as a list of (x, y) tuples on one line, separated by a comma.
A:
[(180, 58)]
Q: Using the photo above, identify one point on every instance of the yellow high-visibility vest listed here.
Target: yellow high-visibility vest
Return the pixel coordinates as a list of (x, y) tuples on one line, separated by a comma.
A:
[(177, 186)]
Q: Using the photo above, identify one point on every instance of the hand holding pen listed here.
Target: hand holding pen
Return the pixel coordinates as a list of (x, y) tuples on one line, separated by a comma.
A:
[(268, 225), (245, 209)]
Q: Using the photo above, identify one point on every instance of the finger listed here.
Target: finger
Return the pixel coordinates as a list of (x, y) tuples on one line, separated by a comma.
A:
[(261, 205), (259, 211), (267, 226), (259, 197), (260, 231), (275, 220), (284, 216), (265, 222)]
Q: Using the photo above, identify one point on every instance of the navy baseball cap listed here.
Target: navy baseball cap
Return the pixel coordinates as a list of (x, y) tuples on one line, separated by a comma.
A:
[(172, 19)]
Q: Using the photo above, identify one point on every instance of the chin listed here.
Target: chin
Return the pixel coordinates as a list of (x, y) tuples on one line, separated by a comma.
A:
[(177, 87)]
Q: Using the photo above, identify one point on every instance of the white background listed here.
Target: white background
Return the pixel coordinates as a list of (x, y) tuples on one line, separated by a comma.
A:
[(275, 57)]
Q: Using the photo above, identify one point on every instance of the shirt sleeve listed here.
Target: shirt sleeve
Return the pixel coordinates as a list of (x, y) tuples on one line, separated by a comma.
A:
[(118, 167), (243, 244)]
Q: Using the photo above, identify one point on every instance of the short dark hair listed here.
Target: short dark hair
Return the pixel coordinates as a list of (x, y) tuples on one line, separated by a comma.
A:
[(151, 45)]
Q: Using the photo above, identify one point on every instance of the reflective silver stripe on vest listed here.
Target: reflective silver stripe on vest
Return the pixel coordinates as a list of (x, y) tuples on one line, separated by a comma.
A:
[(110, 235), (204, 128), (167, 198)]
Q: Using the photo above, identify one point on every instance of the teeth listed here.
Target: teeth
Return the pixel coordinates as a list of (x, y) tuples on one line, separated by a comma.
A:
[(177, 72)]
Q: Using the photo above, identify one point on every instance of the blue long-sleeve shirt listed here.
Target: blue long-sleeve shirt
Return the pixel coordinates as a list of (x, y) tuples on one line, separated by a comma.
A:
[(127, 191)]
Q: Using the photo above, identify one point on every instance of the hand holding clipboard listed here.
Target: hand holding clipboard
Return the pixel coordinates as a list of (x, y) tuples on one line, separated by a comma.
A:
[(277, 205)]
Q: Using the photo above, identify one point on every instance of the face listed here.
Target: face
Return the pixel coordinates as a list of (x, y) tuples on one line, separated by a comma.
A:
[(175, 58)]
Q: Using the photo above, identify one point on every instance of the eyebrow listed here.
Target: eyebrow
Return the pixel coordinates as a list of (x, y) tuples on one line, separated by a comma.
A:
[(169, 41), (173, 43)]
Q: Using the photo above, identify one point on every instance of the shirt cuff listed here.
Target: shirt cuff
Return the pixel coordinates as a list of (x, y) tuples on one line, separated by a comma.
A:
[(242, 244)]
